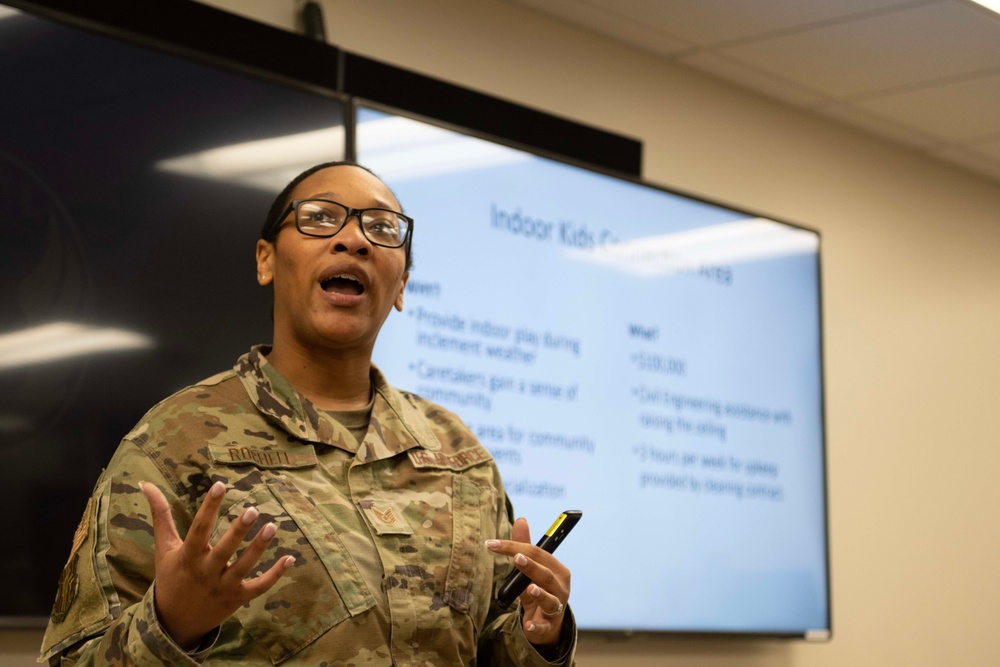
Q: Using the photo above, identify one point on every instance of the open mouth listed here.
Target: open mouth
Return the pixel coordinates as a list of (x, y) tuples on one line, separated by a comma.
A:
[(344, 283)]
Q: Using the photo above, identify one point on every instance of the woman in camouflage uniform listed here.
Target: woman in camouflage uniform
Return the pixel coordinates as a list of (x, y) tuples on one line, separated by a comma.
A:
[(327, 518)]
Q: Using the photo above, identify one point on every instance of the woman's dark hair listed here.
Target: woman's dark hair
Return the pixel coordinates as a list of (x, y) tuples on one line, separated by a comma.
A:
[(269, 232)]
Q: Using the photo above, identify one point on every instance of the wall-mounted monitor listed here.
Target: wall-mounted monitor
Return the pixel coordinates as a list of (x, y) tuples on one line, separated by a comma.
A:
[(648, 358), (133, 185)]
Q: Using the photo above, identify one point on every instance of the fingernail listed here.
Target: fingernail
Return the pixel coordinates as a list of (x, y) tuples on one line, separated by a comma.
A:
[(249, 516), (217, 489), (535, 591), (142, 486), (268, 531), (492, 544), (520, 559), (531, 627), (288, 562)]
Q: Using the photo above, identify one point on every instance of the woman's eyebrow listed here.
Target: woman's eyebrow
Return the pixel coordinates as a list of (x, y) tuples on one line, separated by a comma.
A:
[(379, 201)]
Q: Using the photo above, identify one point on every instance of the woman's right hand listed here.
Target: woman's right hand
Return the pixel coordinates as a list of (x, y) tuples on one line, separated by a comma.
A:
[(197, 587)]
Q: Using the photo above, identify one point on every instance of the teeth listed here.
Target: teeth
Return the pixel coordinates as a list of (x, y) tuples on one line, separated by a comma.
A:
[(345, 276)]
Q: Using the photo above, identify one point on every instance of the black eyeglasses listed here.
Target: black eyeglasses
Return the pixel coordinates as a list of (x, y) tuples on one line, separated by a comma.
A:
[(324, 218)]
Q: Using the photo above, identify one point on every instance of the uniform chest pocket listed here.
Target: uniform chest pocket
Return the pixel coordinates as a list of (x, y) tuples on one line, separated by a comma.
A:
[(444, 563), (451, 504), (323, 588)]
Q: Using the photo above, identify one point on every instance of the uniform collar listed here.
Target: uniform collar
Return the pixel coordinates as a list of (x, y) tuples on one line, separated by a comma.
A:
[(396, 423)]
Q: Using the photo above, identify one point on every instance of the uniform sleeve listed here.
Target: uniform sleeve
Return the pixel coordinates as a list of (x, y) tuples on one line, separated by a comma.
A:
[(503, 642), (104, 612)]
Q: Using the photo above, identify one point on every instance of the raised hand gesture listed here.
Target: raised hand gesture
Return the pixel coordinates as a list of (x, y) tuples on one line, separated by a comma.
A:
[(199, 585)]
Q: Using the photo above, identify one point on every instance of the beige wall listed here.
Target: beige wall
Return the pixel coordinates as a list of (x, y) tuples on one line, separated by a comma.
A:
[(911, 277)]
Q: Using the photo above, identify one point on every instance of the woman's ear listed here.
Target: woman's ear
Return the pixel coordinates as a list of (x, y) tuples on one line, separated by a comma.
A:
[(402, 289), (265, 262)]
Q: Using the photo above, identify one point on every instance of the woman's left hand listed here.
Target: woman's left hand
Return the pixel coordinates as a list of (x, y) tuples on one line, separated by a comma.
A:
[(544, 600)]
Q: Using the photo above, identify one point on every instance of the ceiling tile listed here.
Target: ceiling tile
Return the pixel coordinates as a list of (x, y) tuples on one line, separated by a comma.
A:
[(954, 111), (879, 125), (881, 52), (707, 22), (734, 72), (971, 160), (922, 73), (592, 16)]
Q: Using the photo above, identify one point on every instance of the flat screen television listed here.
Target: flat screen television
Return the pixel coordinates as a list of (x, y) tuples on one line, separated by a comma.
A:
[(133, 185), (648, 358)]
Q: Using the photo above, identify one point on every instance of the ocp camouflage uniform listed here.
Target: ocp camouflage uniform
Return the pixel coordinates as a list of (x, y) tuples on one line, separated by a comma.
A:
[(388, 536)]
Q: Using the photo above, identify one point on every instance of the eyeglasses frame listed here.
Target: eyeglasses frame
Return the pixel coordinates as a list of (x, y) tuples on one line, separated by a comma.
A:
[(351, 212)]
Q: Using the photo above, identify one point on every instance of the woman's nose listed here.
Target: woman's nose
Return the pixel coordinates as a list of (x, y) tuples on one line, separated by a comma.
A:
[(351, 238)]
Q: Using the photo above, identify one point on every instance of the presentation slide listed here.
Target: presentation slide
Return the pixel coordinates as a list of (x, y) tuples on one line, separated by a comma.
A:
[(649, 359)]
